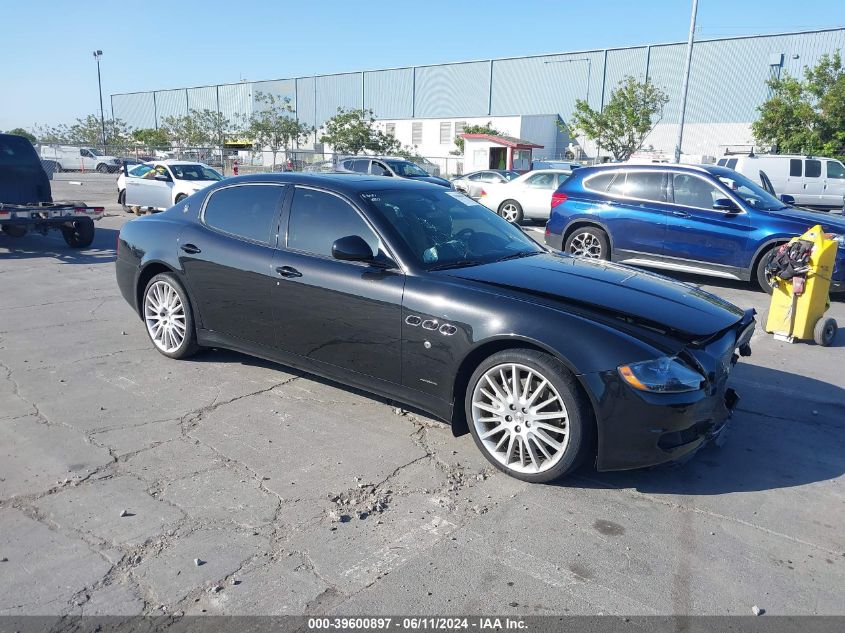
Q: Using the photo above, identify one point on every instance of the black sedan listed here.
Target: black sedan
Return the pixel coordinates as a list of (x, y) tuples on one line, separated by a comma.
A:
[(421, 295)]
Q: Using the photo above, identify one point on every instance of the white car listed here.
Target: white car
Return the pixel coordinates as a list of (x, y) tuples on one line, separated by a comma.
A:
[(528, 197), (161, 184)]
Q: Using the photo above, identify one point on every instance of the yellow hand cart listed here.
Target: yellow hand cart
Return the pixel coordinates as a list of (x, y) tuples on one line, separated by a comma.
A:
[(796, 314)]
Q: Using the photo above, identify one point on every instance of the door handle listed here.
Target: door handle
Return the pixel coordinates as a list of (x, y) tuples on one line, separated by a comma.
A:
[(680, 214), (288, 271), (191, 249)]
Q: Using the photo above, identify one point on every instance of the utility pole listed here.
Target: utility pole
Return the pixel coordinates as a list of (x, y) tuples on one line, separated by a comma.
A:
[(97, 56), (686, 82)]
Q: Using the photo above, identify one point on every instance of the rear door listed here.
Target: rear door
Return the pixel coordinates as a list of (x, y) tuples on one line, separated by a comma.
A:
[(535, 195), (637, 212), (227, 258), (813, 182), (699, 234)]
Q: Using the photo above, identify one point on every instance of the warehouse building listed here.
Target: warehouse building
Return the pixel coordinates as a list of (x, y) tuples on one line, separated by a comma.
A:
[(526, 97)]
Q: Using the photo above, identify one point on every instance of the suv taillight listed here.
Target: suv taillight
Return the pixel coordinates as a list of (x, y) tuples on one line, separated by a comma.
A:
[(558, 198)]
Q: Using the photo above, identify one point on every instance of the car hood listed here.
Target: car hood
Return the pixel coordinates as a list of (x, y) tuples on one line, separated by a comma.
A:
[(650, 300), (199, 184), (432, 179), (830, 224)]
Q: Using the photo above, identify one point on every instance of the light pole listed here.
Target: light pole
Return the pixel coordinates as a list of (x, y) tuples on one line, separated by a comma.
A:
[(686, 82), (97, 56)]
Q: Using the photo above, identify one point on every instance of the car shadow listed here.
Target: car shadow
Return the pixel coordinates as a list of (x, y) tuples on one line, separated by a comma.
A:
[(35, 245), (787, 430)]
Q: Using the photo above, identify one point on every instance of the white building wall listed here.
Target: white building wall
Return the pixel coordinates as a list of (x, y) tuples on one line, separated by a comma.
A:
[(431, 147)]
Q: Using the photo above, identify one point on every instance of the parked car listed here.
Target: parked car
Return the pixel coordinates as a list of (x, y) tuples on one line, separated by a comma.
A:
[(159, 185), (417, 293), (389, 166), (555, 164), (528, 197), (471, 184), (812, 181), (697, 219), (72, 158)]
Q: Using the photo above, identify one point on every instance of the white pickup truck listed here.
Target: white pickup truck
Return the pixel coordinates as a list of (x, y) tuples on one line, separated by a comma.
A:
[(72, 158)]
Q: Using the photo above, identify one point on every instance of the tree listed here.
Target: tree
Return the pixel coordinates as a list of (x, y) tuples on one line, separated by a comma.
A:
[(806, 117), (273, 125), (151, 137), (19, 131), (86, 131), (198, 128), (633, 110), (353, 131), (486, 128)]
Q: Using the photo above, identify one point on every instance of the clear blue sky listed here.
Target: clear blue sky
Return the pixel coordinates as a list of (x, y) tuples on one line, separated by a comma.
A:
[(48, 74)]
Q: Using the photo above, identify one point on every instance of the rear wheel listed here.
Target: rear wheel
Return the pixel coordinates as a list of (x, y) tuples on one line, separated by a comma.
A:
[(825, 331), (180, 197), (57, 168), (14, 231), (79, 233), (511, 210), (527, 415), (168, 317), (589, 242)]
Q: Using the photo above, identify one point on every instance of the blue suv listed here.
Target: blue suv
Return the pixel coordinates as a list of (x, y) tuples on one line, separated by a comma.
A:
[(698, 219)]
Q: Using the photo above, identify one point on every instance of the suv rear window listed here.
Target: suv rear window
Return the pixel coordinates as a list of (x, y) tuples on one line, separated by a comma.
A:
[(16, 150)]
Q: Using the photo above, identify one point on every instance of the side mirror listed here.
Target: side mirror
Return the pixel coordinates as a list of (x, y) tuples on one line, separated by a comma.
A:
[(787, 199), (725, 204), (352, 248)]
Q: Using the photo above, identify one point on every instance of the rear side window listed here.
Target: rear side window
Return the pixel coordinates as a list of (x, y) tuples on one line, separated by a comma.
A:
[(245, 211), (795, 167), (722, 162), (731, 164), (16, 150), (812, 169), (646, 186), (318, 218), (835, 169), (541, 181), (599, 183)]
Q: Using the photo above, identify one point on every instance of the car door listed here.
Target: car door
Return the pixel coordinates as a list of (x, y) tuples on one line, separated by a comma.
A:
[(345, 314), (834, 184), (699, 234), (153, 189), (636, 212), (228, 261), (795, 181), (813, 182), (535, 195)]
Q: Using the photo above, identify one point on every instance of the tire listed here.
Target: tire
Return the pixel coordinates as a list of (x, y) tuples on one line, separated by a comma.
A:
[(501, 427), (170, 327), (12, 230), (80, 234), (180, 197), (102, 168), (825, 331), (511, 210), (760, 270), (589, 242), (57, 169)]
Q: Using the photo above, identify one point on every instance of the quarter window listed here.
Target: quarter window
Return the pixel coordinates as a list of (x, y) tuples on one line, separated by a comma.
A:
[(795, 165), (691, 191), (835, 169), (599, 183), (318, 218), (246, 211), (812, 169)]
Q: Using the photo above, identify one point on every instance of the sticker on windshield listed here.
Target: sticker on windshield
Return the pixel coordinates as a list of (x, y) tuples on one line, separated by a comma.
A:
[(462, 198)]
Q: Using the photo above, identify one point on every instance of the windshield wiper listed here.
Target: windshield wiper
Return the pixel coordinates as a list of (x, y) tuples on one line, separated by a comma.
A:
[(461, 264), (518, 255)]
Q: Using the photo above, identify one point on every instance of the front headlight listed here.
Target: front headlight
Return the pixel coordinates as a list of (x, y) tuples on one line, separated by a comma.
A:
[(661, 375)]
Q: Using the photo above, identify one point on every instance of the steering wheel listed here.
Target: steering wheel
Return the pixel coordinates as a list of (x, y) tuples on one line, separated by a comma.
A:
[(464, 234)]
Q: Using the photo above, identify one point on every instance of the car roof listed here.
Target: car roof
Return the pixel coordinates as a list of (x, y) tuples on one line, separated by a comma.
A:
[(582, 171), (347, 182)]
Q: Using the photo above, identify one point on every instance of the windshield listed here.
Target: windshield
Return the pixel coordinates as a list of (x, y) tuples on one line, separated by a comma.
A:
[(444, 229), (194, 172), (752, 193), (405, 168)]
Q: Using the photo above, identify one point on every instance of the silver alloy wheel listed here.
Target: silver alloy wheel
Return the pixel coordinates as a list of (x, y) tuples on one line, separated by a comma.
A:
[(520, 418), (510, 212), (586, 245), (164, 315)]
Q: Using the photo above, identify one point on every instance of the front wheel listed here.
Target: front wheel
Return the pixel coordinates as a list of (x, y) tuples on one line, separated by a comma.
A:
[(79, 233), (528, 416), (589, 242), (180, 197), (102, 168), (511, 210), (760, 273), (168, 317)]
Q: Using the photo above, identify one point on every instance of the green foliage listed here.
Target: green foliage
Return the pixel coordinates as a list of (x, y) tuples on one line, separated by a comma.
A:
[(273, 126), (19, 131), (86, 131), (486, 128), (199, 128), (633, 110), (353, 132), (806, 117), (151, 137)]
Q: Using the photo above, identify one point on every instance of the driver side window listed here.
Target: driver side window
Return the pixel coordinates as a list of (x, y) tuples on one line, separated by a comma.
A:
[(318, 218), (691, 191)]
